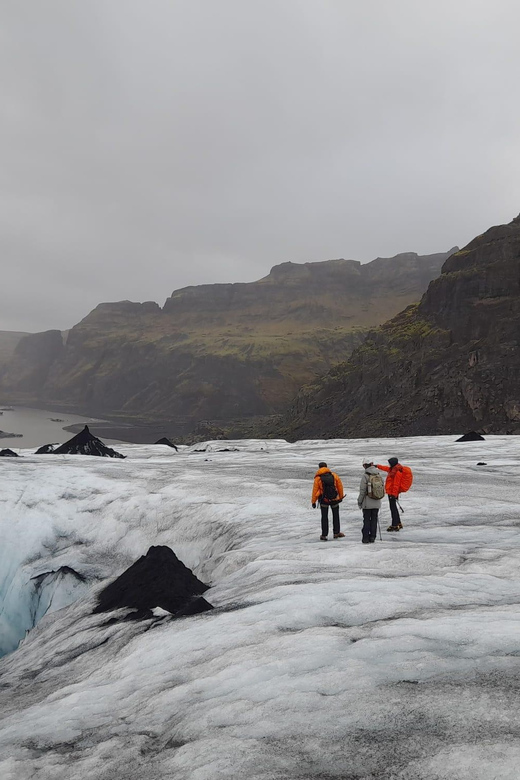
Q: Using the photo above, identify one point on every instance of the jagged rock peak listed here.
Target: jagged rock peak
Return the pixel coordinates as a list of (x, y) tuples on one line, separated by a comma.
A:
[(471, 436), (167, 442), (85, 443), (46, 449), (157, 579)]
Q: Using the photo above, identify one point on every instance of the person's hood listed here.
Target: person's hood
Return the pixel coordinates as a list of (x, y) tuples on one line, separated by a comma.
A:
[(371, 470), (323, 471)]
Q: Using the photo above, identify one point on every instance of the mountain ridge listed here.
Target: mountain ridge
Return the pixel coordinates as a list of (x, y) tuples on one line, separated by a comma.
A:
[(217, 351), (447, 364)]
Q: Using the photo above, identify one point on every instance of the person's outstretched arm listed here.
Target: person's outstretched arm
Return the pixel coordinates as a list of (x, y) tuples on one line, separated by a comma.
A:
[(382, 468)]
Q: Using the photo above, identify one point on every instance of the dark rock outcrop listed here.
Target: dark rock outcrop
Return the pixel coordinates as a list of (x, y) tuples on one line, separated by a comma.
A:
[(451, 362), (8, 454), (46, 449), (157, 579), (5, 435), (167, 442), (471, 436), (85, 443), (217, 352)]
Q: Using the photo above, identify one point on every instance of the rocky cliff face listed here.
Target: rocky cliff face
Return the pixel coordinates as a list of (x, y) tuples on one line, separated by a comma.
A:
[(8, 342), (449, 364), (218, 351), (33, 357)]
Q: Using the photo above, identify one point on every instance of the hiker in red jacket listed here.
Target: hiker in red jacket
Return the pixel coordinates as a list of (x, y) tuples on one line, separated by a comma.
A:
[(327, 490), (392, 489)]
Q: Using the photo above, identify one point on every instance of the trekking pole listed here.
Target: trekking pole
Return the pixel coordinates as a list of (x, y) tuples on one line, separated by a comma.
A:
[(379, 526), (399, 505)]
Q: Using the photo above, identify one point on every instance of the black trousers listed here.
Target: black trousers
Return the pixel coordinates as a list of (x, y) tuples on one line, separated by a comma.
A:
[(370, 523), (325, 518), (396, 517)]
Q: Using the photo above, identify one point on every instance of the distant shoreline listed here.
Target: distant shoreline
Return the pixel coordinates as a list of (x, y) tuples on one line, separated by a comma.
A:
[(145, 433), (133, 431)]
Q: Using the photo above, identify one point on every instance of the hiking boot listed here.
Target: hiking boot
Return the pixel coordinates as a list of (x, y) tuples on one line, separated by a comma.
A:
[(393, 528), (324, 538), (365, 541), (371, 541), (399, 526), (339, 536)]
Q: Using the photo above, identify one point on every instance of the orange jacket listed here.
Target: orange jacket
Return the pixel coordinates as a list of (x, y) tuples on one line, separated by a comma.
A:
[(317, 488), (393, 480)]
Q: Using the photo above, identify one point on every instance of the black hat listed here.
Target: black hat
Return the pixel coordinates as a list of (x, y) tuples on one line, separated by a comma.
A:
[(322, 465), (393, 462)]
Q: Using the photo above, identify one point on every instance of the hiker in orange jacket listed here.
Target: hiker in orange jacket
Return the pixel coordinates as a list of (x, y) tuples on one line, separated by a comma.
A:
[(392, 489), (327, 490)]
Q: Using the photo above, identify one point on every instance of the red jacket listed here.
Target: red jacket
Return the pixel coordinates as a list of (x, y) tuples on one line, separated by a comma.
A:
[(393, 480), (317, 488)]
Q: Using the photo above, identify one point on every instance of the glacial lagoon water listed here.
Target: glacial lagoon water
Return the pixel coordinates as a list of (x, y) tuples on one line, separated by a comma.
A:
[(38, 426)]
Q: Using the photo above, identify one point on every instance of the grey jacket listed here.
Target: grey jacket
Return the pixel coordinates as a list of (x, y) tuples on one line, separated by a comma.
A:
[(364, 502)]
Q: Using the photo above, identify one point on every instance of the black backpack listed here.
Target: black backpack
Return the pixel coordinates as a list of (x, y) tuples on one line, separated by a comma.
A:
[(329, 488)]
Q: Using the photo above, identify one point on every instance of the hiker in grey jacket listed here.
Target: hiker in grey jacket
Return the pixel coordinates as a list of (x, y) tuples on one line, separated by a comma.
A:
[(371, 482)]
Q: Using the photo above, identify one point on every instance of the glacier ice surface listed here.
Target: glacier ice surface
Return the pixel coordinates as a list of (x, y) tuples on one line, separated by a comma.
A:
[(397, 660)]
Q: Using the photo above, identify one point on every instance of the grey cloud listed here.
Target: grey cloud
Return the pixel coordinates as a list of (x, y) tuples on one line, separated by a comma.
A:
[(147, 146)]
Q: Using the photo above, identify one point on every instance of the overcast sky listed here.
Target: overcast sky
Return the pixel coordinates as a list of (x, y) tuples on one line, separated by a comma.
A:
[(151, 144)]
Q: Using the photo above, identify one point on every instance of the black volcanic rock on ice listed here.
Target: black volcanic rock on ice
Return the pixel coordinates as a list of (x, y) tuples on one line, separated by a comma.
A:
[(85, 443), (471, 436), (46, 449), (157, 579), (8, 454), (167, 442)]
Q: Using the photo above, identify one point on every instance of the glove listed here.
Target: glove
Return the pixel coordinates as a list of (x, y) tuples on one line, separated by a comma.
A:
[(360, 506), (314, 506)]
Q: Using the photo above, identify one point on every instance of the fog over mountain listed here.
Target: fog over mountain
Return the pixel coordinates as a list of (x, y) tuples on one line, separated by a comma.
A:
[(145, 147)]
